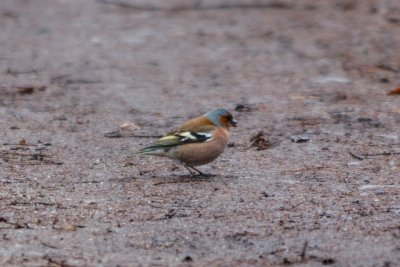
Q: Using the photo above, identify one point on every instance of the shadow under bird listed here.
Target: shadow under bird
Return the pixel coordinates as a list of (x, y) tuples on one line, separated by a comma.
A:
[(197, 141)]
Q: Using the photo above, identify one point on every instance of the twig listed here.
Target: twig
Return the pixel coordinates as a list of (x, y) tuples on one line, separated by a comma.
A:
[(67, 82), (15, 225), (48, 245), (19, 145), (303, 252), (17, 72), (306, 168), (382, 154), (146, 136), (295, 206), (118, 134), (26, 155), (356, 156), (196, 7), (182, 181), (387, 68)]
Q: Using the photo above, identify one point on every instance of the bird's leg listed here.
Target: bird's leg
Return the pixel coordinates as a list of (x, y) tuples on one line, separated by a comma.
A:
[(201, 173), (187, 168)]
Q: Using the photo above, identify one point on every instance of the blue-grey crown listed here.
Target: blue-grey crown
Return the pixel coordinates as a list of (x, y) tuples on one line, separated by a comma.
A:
[(215, 115)]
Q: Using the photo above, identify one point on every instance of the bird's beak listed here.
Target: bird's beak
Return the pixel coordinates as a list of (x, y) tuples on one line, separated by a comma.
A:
[(233, 123)]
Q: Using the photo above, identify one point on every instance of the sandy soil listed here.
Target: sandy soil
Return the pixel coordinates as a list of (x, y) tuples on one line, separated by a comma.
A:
[(310, 178)]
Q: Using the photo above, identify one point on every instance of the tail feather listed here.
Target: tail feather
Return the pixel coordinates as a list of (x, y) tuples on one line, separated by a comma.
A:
[(157, 151)]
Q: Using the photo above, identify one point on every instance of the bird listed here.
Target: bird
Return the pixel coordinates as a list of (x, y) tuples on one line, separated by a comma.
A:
[(197, 141)]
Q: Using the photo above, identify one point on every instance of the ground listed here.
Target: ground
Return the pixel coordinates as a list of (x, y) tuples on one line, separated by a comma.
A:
[(310, 176)]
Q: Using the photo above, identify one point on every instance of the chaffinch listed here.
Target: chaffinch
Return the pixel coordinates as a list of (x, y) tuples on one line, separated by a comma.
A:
[(197, 141)]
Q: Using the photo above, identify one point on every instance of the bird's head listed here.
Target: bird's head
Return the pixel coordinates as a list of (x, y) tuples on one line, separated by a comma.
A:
[(221, 118)]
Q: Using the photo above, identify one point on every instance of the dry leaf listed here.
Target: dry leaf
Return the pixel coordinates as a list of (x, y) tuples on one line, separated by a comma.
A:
[(23, 142), (25, 90), (29, 89), (395, 91), (69, 227), (260, 141)]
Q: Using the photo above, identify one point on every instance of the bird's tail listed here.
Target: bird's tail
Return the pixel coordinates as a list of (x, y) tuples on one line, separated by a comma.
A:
[(157, 151)]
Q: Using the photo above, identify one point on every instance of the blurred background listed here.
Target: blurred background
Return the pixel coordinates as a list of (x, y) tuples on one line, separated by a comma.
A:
[(310, 176)]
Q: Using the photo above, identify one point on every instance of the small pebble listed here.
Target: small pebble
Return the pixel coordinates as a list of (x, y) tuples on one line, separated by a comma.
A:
[(300, 138)]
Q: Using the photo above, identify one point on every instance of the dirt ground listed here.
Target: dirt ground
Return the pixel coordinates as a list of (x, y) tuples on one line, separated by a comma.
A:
[(310, 177)]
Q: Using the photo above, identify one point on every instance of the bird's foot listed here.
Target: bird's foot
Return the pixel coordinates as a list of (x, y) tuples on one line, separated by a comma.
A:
[(204, 175), (199, 173)]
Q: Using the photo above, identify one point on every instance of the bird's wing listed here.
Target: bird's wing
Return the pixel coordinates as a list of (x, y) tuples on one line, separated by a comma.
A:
[(197, 130), (180, 138)]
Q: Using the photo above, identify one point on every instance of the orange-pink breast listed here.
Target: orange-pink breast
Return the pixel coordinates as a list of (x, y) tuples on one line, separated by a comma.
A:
[(196, 154)]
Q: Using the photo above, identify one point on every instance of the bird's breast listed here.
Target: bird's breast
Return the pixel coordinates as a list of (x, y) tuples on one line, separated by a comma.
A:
[(196, 154)]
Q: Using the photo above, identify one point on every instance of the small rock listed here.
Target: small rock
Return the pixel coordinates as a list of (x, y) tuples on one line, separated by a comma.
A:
[(328, 261), (384, 80), (25, 90), (69, 227), (242, 108), (328, 79), (300, 138), (29, 89), (188, 259), (60, 118), (129, 126), (114, 134), (231, 144), (265, 194)]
